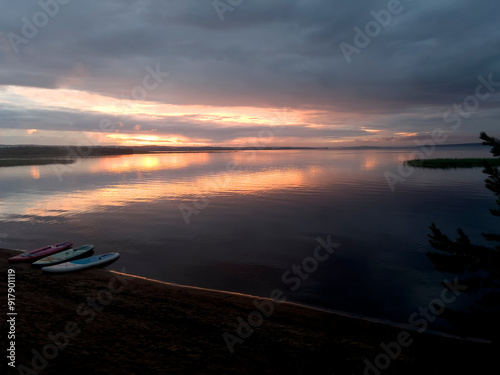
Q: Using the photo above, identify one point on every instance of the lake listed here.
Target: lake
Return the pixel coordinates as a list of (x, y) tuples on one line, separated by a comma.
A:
[(241, 221)]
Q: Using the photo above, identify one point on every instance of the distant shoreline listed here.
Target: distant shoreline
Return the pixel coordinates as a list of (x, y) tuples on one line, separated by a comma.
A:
[(24, 155), (32, 161), (120, 150)]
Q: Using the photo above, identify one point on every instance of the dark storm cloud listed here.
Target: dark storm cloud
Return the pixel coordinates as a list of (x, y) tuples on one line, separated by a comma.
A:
[(267, 54)]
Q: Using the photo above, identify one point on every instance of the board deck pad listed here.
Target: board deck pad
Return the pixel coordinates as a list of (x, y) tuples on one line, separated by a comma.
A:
[(83, 263), (30, 256)]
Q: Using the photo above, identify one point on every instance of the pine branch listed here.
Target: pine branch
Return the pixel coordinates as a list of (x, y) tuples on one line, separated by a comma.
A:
[(479, 265), (438, 240), (491, 141)]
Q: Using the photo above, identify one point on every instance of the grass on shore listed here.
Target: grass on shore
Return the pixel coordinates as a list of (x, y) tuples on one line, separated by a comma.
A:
[(13, 156), (32, 161), (453, 163)]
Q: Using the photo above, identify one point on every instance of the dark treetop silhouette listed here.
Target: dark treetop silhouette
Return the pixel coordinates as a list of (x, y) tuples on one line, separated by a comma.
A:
[(479, 266)]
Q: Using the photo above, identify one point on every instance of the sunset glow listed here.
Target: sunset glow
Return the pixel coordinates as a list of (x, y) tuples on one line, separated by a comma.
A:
[(198, 82), (142, 140), (82, 100)]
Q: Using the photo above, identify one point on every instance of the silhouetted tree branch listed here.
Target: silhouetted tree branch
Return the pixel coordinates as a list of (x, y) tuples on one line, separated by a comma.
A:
[(479, 265)]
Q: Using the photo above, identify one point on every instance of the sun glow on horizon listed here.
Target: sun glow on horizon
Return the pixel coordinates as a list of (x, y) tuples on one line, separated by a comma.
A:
[(86, 101), (148, 140), (131, 116), (146, 123)]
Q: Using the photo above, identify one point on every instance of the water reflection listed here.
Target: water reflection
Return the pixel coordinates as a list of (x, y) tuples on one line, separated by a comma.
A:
[(90, 186), (370, 163), (266, 210), (128, 163), (78, 201), (35, 172)]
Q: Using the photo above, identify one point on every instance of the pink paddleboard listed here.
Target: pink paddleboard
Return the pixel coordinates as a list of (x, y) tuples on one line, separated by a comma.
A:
[(30, 256)]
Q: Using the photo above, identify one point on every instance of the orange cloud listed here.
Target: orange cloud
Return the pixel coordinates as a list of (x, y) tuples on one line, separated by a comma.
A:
[(146, 139), (86, 101)]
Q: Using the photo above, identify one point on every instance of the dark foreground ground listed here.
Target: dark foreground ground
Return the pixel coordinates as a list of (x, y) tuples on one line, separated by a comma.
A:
[(100, 322)]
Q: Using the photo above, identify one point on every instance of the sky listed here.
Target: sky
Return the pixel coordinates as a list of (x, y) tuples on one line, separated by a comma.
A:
[(249, 73)]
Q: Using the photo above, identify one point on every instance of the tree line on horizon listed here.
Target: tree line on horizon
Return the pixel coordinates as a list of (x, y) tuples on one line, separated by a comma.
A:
[(61, 151)]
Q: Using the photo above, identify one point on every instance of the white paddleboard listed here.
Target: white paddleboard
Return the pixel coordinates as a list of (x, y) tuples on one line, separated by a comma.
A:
[(81, 264)]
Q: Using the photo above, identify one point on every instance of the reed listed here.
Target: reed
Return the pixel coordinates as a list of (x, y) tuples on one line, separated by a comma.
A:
[(453, 163)]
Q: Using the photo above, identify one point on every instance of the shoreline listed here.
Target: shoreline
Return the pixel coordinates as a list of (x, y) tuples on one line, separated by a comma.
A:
[(20, 162), (346, 314), (134, 325)]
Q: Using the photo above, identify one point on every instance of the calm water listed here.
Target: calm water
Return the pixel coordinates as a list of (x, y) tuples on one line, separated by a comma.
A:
[(257, 214)]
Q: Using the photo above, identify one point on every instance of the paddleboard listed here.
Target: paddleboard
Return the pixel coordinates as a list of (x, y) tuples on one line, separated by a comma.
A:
[(64, 256), (30, 256), (81, 264)]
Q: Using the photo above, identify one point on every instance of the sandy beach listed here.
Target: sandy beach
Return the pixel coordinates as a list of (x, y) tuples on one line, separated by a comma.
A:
[(104, 322)]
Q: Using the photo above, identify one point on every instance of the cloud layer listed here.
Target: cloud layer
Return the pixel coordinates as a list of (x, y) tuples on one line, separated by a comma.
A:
[(88, 62)]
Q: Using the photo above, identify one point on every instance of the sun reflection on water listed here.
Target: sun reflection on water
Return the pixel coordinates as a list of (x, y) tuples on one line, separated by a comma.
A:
[(35, 172), (237, 179)]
